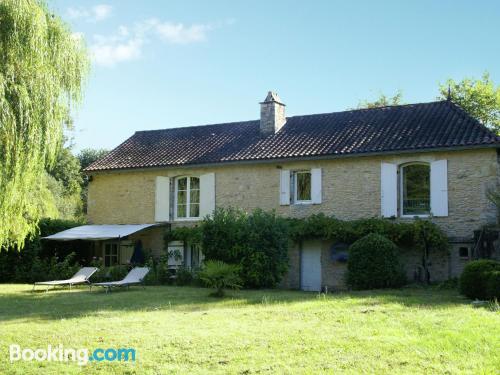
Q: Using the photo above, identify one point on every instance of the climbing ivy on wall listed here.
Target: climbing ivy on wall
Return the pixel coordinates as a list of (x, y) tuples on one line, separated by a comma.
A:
[(417, 233)]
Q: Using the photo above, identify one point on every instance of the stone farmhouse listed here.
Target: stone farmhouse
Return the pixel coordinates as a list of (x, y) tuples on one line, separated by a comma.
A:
[(426, 160)]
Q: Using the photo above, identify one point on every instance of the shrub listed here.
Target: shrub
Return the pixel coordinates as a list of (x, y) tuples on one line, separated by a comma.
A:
[(257, 242), (480, 279), (493, 285), (36, 260), (219, 276), (373, 263), (117, 272), (159, 272), (184, 276), (62, 270)]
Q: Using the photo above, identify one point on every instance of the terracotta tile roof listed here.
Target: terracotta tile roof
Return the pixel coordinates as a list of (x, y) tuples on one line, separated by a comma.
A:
[(410, 127)]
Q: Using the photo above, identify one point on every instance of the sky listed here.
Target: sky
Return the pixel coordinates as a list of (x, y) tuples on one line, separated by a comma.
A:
[(163, 64)]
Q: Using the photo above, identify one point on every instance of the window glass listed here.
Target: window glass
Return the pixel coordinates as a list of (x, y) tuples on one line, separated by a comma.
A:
[(181, 210), (303, 186), (195, 183), (416, 189), (110, 254), (194, 210), (182, 183), (188, 197), (463, 252)]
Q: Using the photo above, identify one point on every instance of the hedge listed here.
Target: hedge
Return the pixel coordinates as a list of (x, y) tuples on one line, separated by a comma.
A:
[(480, 279)]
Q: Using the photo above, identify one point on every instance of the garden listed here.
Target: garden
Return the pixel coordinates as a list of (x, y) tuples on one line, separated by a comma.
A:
[(184, 330), (229, 317)]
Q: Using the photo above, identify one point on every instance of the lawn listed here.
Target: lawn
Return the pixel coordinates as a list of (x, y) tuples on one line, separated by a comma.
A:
[(182, 330)]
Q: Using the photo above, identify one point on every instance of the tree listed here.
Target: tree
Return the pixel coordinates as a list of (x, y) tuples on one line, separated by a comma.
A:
[(86, 157), (42, 68), (65, 182), (67, 170), (89, 155), (383, 101), (478, 97)]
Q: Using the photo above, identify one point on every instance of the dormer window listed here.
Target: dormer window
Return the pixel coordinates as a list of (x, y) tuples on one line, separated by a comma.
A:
[(187, 198), (415, 189)]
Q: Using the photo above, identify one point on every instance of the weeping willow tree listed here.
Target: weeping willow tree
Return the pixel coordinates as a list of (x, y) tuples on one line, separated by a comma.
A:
[(42, 68)]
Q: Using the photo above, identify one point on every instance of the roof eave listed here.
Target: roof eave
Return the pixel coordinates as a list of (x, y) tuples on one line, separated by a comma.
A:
[(296, 158)]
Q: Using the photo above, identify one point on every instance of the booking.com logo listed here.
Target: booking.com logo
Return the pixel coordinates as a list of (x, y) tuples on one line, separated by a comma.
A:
[(61, 354)]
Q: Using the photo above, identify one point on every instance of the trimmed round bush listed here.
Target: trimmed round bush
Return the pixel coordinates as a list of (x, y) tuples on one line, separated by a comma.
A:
[(374, 263), (481, 279), (493, 285)]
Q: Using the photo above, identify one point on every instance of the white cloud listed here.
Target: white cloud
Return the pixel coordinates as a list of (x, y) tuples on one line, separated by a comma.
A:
[(178, 33), (127, 43), (101, 11), (110, 50), (111, 54), (96, 13)]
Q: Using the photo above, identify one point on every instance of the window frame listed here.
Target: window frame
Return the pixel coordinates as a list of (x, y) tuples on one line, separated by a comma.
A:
[(468, 257), (113, 246), (188, 216), (296, 185), (401, 189)]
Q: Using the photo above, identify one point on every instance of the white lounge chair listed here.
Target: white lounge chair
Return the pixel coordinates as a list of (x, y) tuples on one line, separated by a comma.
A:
[(81, 277), (134, 277)]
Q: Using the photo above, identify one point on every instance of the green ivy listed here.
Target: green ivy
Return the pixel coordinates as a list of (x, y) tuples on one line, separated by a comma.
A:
[(414, 234), (186, 234), (404, 234)]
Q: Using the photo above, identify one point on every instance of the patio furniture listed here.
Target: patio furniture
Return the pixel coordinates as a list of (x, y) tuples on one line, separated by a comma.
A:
[(134, 277), (81, 277)]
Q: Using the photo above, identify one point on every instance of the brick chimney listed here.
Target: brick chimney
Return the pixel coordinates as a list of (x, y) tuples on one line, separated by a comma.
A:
[(272, 114)]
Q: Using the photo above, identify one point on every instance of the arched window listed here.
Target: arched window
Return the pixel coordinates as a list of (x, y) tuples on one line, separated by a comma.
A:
[(415, 189), (187, 197)]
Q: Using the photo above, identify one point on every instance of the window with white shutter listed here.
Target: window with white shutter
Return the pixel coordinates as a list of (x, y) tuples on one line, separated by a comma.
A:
[(300, 187), (423, 189)]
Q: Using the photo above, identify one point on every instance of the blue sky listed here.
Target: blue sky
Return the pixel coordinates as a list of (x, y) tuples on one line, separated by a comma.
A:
[(161, 64)]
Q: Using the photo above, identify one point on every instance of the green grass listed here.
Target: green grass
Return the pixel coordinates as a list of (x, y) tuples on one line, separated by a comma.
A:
[(182, 330)]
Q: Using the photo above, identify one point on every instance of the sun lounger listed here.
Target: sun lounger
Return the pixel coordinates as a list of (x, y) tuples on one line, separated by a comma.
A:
[(81, 277), (134, 277)]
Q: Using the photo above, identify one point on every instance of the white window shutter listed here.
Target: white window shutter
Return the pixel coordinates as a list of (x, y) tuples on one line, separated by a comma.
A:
[(439, 188), (207, 194), (162, 199), (284, 187), (389, 189), (316, 185)]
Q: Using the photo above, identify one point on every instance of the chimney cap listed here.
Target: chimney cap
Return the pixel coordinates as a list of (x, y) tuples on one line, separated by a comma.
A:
[(272, 97)]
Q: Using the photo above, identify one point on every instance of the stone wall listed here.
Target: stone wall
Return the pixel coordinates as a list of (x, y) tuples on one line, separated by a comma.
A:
[(444, 265), (350, 190)]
